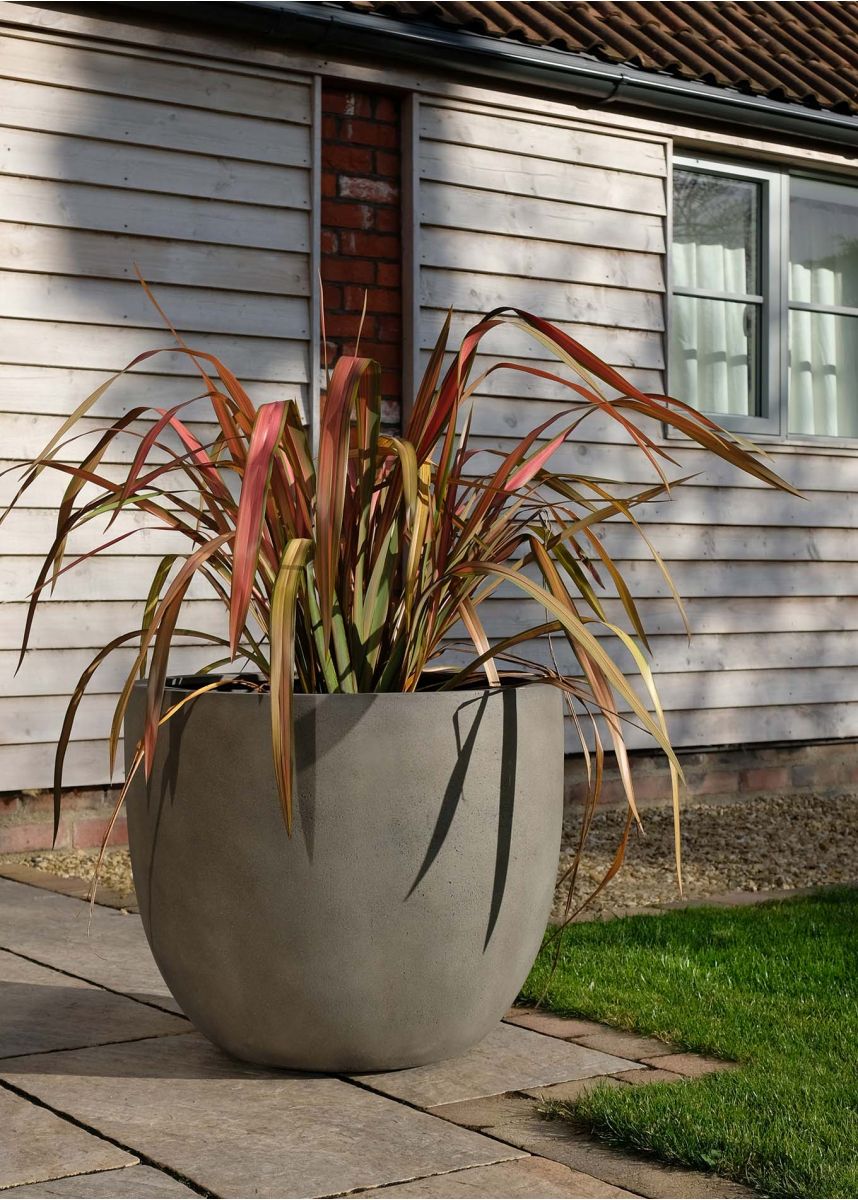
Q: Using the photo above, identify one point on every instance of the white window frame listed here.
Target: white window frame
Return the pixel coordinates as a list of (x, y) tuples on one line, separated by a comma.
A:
[(772, 423)]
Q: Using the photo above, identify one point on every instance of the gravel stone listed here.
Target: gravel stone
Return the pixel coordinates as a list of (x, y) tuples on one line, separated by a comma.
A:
[(758, 844)]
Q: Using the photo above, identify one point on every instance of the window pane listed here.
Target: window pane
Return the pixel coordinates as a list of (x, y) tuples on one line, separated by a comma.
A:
[(713, 354), (716, 233), (823, 374), (823, 244)]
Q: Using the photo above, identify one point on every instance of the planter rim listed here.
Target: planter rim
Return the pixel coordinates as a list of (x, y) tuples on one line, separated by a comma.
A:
[(177, 684)]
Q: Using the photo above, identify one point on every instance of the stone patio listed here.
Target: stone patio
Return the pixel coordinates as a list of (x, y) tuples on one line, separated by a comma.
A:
[(106, 1090)]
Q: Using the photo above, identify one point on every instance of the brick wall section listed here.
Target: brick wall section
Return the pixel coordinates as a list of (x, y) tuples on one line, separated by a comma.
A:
[(726, 775), (26, 820), (361, 231)]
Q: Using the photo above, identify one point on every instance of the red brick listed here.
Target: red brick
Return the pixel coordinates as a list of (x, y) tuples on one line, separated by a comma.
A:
[(36, 835), (348, 270), (765, 779), (332, 296), (378, 300), (391, 383), (347, 216), (88, 832), (346, 103), (390, 328), (329, 184), (389, 274), (376, 350), (386, 108), (369, 133), (345, 325), (356, 159), (372, 244), (330, 129), (376, 191), (9, 803), (387, 220), (329, 242), (387, 163), (713, 782)]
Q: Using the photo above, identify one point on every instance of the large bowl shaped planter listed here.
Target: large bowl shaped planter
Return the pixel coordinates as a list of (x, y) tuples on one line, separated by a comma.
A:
[(396, 925)]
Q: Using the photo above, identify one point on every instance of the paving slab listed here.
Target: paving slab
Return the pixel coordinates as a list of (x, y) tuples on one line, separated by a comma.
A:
[(136, 1183), (238, 1130), (568, 1093), (43, 1009), (490, 1110), (510, 1059), (537, 1177), (692, 1066), (100, 945), (551, 1024), (581, 1151), (631, 1045), (36, 1145)]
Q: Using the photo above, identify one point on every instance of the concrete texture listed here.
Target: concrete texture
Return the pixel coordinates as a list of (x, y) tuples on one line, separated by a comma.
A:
[(220, 1123), (134, 1183), (45, 1010), (38, 1145), (99, 945), (537, 1177), (397, 924), (508, 1060)]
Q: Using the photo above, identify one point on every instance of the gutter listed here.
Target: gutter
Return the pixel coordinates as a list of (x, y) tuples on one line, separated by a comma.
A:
[(331, 30)]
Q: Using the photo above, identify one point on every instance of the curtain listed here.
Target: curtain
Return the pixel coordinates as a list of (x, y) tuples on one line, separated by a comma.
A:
[(823, 351), (711, 348)]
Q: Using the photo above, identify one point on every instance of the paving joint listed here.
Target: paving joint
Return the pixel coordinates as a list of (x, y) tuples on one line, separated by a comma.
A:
[(144, 1159), (146, 1037), (170, 1012)]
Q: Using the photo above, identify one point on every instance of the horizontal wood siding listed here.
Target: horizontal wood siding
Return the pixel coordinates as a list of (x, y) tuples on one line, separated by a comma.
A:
[(569, 222), (199, 171)]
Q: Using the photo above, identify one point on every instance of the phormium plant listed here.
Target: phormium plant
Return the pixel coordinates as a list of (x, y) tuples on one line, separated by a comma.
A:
[(351, 569)]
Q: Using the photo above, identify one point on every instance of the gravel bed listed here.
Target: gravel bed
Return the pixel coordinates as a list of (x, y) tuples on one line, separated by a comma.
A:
[(755, 845), (115, 870)]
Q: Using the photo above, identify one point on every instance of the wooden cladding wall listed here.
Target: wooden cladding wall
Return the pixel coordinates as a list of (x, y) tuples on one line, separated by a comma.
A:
[(200, 171), (570, 221)]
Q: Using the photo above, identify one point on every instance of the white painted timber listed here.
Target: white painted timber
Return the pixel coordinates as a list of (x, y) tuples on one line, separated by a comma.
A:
[(546, 179), (197, 170), (72, 160), (133, 122), (493, 254), (524, 133), (152, 214), (45, 249), (58, 390)]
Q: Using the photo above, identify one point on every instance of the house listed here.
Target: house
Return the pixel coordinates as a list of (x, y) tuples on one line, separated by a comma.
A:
[(675, 182)]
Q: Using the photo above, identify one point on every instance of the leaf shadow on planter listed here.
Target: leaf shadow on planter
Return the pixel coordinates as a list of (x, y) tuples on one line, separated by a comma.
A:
[(454, 794)]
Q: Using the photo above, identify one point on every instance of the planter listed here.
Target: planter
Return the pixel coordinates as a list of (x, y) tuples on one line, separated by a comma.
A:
[(397, 924)]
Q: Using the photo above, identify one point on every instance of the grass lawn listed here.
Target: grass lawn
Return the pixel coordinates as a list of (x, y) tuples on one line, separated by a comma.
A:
[(772, 986)]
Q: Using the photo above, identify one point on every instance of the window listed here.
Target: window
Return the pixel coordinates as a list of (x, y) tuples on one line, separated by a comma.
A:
[(764, 312)]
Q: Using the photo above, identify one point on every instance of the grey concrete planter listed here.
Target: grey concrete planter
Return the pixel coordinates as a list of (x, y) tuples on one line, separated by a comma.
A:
[(398, 923)]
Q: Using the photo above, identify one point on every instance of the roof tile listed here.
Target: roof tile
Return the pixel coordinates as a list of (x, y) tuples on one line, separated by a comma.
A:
[(801, 50)]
